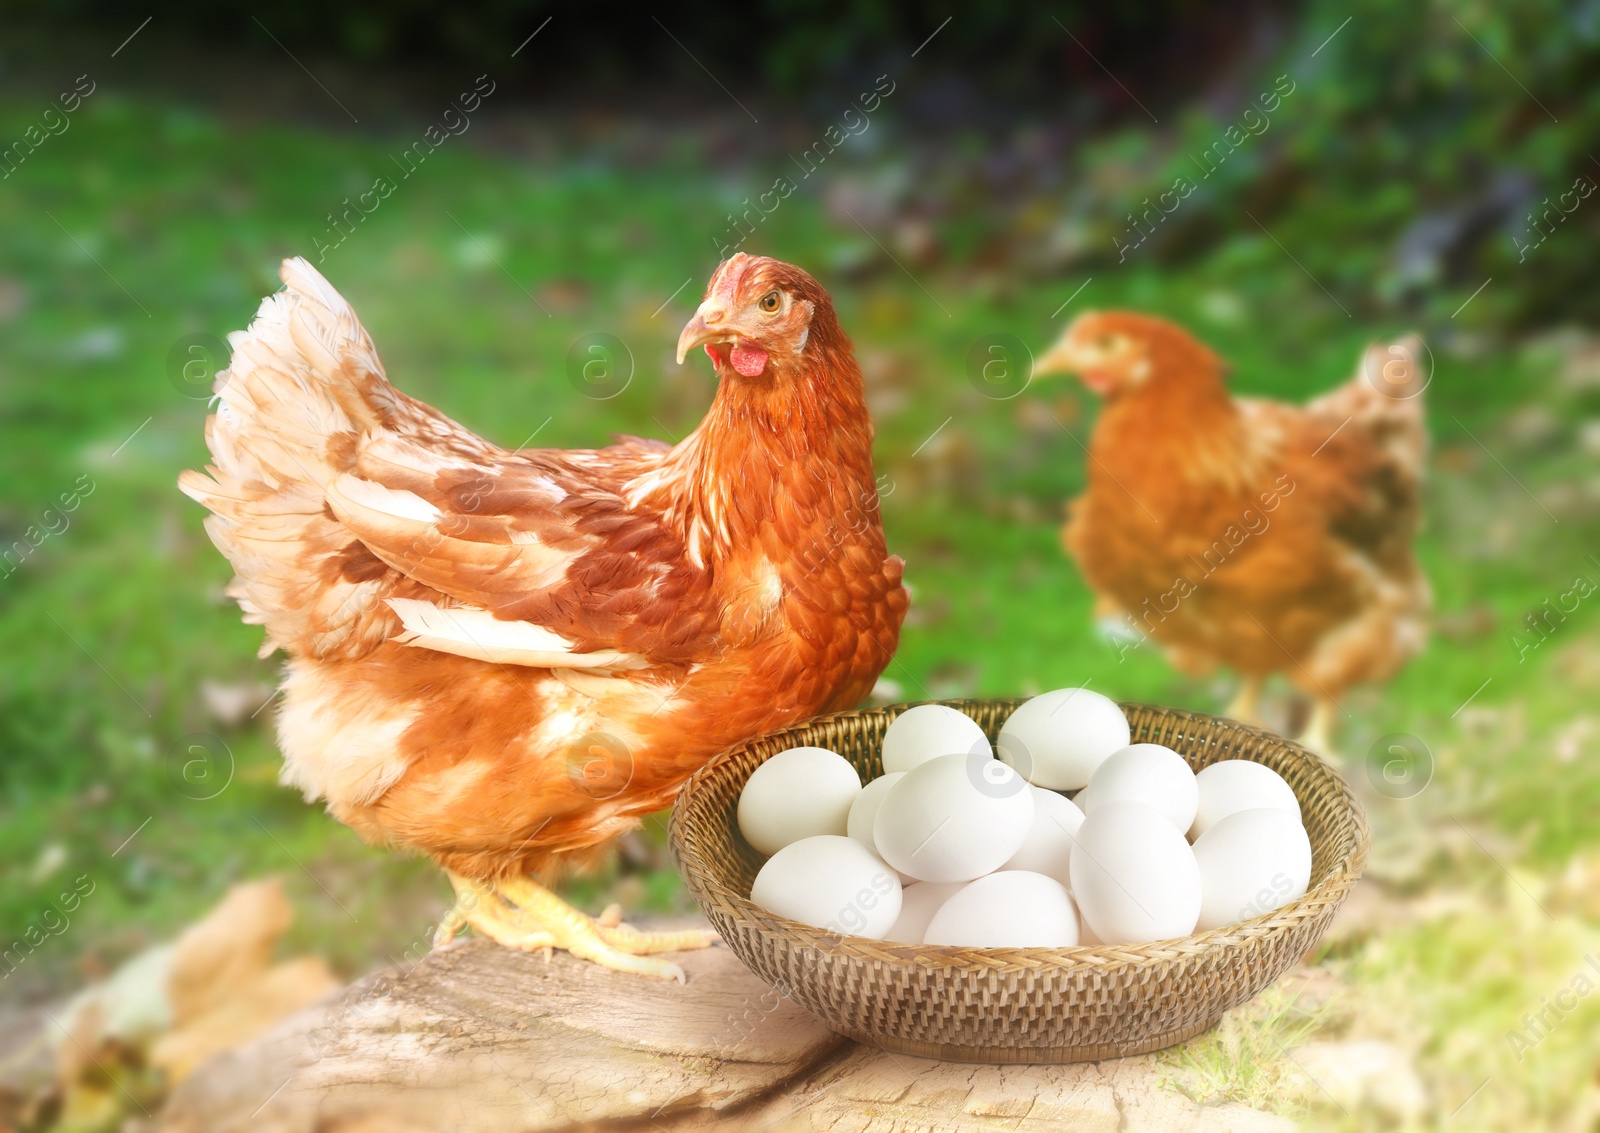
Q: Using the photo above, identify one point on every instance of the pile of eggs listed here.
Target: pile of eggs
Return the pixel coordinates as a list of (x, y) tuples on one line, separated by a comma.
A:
[(958, 843)]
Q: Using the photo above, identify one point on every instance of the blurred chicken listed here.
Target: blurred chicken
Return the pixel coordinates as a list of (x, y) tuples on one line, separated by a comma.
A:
[(504, 658), (1250, 533)]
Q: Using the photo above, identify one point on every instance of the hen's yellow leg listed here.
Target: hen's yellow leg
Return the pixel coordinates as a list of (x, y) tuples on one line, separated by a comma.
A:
[(1246, 706), (1318, 735), (519, 913)]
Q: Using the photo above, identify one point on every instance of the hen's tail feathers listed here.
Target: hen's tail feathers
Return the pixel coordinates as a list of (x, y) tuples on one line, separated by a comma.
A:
[(303, 381), (1385, 401)]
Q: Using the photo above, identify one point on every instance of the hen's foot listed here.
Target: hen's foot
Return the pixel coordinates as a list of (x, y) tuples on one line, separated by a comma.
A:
[(518, 913)]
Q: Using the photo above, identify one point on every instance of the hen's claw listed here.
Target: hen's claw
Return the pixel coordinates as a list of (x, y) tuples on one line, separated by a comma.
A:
[(454, 921), (518, 913)]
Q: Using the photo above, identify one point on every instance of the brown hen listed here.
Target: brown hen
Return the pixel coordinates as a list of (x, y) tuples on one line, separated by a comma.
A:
[(504, 658), (1249, 533)]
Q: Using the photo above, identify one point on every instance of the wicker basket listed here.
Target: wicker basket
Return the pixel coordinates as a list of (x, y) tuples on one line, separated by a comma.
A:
[(1016, 1004)]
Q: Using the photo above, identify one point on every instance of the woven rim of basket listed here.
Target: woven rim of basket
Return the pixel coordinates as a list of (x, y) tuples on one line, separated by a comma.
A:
[(708, 887)]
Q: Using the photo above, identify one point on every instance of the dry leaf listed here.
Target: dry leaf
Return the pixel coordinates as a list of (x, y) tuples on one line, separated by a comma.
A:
[(230, 947), (248, 1011)]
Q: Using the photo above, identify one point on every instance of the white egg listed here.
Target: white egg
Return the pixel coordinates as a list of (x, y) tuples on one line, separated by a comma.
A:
[(1145, 773), (953, 818), (1134, 876), (797, 794), (831, 882), (918, 902), (927, 732), (1014, 909), (1239, 784), (864, 811), (1056, 740), (1251, 862), (1047, 849), (865, 807)]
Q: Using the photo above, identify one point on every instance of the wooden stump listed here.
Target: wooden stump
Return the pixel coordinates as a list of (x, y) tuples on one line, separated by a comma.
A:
[(480, 1039)]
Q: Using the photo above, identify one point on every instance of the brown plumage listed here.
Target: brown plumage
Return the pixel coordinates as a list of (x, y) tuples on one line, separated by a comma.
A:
[(1249, 533), (504, 658)]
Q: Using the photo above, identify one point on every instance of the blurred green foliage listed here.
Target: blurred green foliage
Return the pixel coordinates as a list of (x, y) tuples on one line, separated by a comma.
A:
[(793, 50), (1436, 130)]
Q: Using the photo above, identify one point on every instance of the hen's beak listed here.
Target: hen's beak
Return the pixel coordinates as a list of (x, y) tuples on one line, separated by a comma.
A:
[(1065, 357), (706, 326)]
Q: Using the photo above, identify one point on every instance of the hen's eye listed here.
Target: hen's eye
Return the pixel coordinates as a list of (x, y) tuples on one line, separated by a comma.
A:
[(769, 302)]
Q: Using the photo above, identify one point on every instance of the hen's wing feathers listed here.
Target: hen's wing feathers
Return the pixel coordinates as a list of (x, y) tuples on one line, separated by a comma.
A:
[(1348, 465), (482, 636), (1370, 471), (353, 513), (542, 537)]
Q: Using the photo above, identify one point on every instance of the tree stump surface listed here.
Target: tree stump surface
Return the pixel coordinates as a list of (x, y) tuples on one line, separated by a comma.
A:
[(480, 1039)]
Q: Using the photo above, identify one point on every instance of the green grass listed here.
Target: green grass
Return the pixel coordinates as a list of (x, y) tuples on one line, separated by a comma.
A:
[(111, 625)]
